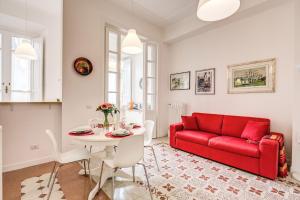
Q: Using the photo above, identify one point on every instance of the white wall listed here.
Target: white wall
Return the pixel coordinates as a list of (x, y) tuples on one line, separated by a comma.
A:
[(296, 108), (267, 34), (84, 36), (24, 125)]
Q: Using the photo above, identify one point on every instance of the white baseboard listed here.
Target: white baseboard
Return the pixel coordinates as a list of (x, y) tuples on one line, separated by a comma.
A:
[(21, 165)]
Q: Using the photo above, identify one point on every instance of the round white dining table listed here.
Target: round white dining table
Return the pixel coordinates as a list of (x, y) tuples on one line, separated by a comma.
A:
[(100, 140)]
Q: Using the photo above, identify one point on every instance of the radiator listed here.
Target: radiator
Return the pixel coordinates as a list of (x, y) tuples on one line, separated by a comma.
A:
[(175, 110)]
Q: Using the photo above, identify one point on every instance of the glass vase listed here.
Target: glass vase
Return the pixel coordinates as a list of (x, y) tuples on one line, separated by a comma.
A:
[(106, 122)]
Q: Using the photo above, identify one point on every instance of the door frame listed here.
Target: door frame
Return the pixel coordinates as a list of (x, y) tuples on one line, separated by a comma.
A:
[(146, 42)]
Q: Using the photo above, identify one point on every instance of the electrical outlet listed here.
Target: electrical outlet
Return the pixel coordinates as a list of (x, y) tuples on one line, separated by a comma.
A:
[(298, 138), (34, 147)]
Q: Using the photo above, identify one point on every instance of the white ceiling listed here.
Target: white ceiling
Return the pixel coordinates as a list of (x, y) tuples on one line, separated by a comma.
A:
[(51, 7), (159, 12)]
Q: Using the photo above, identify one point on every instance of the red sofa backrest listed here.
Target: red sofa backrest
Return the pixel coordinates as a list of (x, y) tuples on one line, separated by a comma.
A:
[(234, 125), (209, 122), (225, 124)]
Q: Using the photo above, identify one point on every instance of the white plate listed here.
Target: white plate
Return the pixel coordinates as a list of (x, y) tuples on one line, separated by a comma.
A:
[(120, 132)]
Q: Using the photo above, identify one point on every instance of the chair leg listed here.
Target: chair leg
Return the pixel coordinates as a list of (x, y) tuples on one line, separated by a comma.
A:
[(113, 185), (100, 178), (53, 181), (155, 157), (84, 166), (133, 173), (89, 168), (51, 174), (146, 174)]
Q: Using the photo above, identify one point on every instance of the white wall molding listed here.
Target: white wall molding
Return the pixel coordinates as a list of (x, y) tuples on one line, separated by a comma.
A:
[(29, 163)]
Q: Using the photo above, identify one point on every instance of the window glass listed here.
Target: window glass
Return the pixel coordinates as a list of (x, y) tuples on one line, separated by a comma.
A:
[(112, 65), (151, 53), (112, 82), (113, 41), (20, 96), (20, 79), (16, 41), (125, 81), (112, 98), (20, 74), (151, 85), (151, 69), (150, 102)]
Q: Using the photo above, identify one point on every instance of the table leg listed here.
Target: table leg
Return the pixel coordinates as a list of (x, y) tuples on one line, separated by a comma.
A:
[(107, 172), (109, 152)]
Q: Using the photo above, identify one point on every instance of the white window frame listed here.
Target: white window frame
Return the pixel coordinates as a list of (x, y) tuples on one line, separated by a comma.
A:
[(120, 32), (6, 68), (155, 62)]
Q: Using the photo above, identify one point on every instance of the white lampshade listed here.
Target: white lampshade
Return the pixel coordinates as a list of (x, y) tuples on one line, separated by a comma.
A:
[(26, 51), (132, 43), (214, 10)]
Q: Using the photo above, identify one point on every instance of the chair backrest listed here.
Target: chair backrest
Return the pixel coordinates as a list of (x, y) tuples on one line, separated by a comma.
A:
[(130, 151), (54, 143), (149, 126)]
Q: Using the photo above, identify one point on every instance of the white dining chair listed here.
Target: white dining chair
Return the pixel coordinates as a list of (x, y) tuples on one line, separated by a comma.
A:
[(128, 154), (61, 159), (149, 126)]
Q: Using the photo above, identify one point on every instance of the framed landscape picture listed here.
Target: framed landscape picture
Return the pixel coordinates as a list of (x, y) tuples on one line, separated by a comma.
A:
[(258, 76), (205, 81), (180, 81)]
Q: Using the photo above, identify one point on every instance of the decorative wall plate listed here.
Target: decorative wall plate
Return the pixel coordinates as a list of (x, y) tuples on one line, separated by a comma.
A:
[(83, 66)]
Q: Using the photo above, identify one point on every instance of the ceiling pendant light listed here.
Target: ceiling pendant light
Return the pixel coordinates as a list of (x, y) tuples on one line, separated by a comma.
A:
[(25, 50), (215, 10), (132, 43)]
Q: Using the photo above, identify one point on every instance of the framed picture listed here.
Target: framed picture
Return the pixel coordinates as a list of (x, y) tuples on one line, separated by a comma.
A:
[(258, 76), (180, 81), (83, 66), (205, 81)]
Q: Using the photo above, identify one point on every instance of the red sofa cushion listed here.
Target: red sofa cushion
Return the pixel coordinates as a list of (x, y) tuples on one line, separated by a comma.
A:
[(235, 125), (189, 122), (198, 137), (209, 122), (254, 131), (234, 145)]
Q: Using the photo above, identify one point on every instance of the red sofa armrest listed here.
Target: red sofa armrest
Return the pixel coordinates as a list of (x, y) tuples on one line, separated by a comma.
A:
[(269, 153), (173, 129)]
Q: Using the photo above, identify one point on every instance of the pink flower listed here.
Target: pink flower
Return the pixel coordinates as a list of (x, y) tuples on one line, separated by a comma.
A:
[(105, 106)]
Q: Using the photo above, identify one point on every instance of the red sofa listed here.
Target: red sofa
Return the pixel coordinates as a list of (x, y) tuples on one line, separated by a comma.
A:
[(219, 139)]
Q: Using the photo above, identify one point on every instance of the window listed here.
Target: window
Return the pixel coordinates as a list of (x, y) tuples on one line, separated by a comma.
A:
[(151, 76), (130, 79), (113, 68), (21, 79)]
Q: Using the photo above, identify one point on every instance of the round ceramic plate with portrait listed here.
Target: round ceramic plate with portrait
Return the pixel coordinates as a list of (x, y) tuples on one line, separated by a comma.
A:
[(83, 66)]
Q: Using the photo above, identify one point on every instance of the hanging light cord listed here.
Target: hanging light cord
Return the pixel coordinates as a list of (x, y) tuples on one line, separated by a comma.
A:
[(26, 7)]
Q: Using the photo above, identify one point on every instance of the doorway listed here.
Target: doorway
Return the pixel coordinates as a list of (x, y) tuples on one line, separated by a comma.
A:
[(131, 82)]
